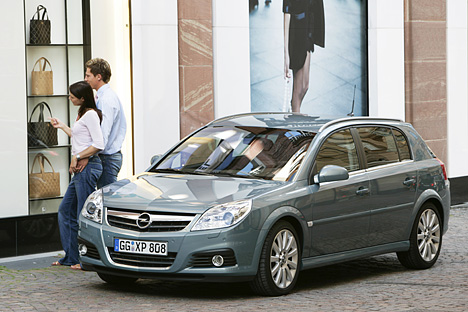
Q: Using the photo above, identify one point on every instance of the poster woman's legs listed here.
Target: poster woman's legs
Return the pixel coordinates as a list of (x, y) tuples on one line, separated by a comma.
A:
[(300, 84)]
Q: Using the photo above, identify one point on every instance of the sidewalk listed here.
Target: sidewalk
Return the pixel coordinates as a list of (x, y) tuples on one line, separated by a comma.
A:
[(34, 261)]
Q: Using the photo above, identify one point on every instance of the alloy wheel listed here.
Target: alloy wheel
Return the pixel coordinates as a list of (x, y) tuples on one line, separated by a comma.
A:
[(284, 258), (428, 237)]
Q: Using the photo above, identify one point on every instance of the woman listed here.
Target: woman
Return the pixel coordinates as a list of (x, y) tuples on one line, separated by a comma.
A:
[(304, 27), (86, 140)]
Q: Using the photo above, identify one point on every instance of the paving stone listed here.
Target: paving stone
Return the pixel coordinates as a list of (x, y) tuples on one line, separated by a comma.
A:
[(373, 284)]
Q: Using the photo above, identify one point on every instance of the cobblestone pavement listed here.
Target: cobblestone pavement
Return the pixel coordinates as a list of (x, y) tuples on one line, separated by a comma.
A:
[(373, 284)]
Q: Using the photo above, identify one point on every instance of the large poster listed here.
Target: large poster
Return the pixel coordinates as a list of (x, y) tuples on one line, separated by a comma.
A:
[(309, 56)]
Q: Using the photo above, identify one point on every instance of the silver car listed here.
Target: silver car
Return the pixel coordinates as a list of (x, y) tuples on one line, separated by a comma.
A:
[(261, 197)]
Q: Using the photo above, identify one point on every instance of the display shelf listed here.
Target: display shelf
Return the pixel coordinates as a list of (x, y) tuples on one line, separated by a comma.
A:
[(45, 198), (48, 147), (66, 53), (55, 45), (47, 96)]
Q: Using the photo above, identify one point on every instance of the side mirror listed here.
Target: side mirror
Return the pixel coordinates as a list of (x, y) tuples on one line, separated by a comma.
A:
[(331, 173), (155, 158)]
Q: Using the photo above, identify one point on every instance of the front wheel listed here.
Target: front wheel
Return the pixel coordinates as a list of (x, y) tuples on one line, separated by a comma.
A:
[(425, 240), (279, 261), (117, 280)]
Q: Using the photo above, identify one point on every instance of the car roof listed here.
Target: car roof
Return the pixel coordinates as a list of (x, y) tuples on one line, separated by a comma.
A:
[(295, 121)]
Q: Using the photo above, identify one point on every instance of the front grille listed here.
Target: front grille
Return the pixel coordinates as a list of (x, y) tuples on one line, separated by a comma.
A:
[(203, 259), (137, 260), (158, 221), (92, 251)]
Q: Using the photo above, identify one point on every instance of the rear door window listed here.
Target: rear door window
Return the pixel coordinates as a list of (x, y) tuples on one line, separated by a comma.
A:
[(402, 144), (379, 146), (338, 149)]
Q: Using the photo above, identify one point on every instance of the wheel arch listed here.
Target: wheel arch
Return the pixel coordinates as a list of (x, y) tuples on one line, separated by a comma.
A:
[(431, 196), (289, 214)]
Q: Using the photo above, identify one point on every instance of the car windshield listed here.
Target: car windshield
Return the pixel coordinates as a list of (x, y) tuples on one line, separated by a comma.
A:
[(249, 152)]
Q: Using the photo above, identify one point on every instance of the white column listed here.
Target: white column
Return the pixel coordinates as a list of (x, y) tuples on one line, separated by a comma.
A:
[(13, 152), (231, 57), (110, 40), (155, 78), (457, 82), (386, 58)]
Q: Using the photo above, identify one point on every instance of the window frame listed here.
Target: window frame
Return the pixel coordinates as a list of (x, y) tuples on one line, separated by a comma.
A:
[(314, 158), (391, 128)]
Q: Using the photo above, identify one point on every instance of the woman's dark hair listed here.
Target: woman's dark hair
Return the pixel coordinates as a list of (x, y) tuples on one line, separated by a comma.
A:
[(82, 90)]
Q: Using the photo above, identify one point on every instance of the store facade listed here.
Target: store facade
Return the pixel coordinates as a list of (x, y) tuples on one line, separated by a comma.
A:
[(179, 64)]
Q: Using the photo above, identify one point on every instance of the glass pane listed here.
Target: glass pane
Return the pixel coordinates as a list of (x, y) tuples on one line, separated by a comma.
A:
[(74, 22), (339, 150), (402, 144), (254, 152), (379, 146)]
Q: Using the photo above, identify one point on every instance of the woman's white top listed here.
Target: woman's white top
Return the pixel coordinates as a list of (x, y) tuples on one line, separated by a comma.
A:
[(86, 132)]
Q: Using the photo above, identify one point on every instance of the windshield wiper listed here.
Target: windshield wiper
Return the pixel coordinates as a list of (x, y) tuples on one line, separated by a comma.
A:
[(178, 171), (234, 175), (166, 170)]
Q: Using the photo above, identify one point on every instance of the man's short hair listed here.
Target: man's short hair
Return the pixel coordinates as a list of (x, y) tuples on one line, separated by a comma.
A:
[(100, 66)]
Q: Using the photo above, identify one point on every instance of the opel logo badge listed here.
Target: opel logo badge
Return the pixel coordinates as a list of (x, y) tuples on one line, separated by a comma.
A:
[(144, 220)]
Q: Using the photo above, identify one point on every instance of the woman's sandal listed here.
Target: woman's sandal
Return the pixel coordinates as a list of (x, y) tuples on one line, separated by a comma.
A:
[(76, 267), (56, 263)]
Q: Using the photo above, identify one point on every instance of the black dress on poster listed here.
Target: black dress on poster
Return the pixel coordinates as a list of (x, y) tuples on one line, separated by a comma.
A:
[(306, 29)]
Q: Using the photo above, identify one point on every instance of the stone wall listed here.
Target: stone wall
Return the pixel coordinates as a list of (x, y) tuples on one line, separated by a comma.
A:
[(425, 71)]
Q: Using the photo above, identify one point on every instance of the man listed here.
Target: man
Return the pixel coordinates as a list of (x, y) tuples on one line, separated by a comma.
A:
[(113, 126)]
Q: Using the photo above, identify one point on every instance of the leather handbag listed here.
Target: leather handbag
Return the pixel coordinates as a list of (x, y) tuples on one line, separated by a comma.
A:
[(42, 80), (39, 27), (41, 133), (43, 184)]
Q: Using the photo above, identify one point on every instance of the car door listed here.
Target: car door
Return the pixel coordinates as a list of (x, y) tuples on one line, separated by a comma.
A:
[(340, 210), (393, 181)]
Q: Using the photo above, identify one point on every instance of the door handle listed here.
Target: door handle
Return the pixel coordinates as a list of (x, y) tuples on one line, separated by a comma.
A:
[(409, 182), (362, 191)]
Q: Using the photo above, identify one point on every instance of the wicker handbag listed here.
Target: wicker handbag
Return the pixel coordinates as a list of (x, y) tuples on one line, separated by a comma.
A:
[(43, 184), (42, 80), (39, 28)]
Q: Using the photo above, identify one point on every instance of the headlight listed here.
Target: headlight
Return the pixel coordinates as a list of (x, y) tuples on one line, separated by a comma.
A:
[(92, 208), (224, 215)]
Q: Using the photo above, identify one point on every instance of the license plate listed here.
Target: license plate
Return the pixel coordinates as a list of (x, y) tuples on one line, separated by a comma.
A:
[(140, 247)]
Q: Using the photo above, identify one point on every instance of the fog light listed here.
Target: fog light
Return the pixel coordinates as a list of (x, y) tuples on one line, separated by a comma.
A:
[(217, 260), (82, 249)]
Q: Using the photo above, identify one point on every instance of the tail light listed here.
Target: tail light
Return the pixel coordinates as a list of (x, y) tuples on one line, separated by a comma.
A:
[(443, 168)]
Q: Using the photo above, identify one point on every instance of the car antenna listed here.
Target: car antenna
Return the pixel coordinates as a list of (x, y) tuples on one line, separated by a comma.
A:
[(351, 114)]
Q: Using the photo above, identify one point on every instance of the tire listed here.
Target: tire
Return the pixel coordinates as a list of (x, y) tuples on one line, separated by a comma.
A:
[(425, 240), (117, 280), (280, 258)]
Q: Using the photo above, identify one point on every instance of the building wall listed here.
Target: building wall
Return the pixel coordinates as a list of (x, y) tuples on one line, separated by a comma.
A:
[(426, 71), (457, 91), (386, 58), (195, 64)]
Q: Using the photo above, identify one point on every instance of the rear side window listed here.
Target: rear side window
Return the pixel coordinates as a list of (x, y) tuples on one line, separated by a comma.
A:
[(338, 149), (402, 144), (379, 146)]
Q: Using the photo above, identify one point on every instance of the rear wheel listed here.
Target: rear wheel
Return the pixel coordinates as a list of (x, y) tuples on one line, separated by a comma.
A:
[(279, 261), (117, 280), (425, 240)]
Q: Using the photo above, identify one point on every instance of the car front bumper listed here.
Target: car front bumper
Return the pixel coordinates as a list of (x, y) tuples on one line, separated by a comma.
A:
[(189, 253)]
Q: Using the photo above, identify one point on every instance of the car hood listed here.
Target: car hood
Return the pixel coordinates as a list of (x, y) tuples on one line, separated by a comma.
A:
[(182, 193)]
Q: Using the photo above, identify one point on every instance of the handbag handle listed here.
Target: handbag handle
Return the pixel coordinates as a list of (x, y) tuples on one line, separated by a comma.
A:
[(41, 157), (42, 68), (41, 112), (40, 7)]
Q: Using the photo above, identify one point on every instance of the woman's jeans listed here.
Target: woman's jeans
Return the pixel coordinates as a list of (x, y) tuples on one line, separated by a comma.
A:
[(81, 185), (111, 165)]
